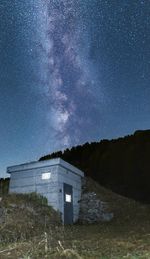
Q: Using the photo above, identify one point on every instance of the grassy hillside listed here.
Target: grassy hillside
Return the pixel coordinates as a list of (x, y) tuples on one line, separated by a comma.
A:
[(122, 165), (29, 233), (24, 215)]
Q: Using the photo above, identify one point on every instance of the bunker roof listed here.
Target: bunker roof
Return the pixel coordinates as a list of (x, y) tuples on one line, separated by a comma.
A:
[(44, 164)]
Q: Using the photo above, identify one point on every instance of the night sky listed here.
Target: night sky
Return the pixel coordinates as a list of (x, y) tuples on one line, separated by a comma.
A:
[(71, 71)]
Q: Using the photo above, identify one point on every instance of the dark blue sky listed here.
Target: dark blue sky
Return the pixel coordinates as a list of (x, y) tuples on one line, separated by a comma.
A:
[(71, 72)]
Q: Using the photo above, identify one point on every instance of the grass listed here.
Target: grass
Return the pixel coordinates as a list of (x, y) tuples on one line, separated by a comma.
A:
[(24, 216), (97, 241), (126, 236)]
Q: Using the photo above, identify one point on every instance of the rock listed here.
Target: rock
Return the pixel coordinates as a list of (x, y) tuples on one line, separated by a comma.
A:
[(92, 209), (108, 216), (2, 215)]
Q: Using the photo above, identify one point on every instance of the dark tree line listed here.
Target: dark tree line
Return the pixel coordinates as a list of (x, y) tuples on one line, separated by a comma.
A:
[(4, 186), (123, 164)]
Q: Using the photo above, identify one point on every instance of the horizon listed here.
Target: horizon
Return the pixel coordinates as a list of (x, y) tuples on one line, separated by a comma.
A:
[(6, 175)]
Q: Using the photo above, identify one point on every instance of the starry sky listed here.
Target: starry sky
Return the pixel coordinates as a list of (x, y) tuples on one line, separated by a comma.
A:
[(71, 71)]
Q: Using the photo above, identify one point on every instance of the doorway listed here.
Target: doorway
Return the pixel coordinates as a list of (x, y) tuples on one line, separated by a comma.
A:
[(68, 204)]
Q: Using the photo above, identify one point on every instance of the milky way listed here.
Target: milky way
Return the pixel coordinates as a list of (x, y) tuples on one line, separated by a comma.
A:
[(69, 82)]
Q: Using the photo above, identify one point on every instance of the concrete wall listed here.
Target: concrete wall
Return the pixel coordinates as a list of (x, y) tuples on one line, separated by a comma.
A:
[(27, 181)]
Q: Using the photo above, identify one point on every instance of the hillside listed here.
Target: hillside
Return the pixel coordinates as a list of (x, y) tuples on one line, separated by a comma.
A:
[(122, 165), (23, 216), (31, 229)]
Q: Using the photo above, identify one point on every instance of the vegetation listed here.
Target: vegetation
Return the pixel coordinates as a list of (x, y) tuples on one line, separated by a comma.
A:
[(122, 165), (4, 186), (31, 230), (23, 216)]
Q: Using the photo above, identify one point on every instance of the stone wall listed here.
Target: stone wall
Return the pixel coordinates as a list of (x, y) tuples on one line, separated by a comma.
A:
[(92, 209)]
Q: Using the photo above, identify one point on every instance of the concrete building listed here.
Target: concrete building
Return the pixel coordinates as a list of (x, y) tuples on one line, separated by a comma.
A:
[(57, 180)]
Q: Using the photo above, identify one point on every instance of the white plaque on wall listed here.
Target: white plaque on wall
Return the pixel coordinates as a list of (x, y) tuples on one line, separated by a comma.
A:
[(46, 176)]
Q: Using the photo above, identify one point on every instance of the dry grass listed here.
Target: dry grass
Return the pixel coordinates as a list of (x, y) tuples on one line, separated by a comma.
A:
[(97, 241), (25, 216), (126, 236)]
